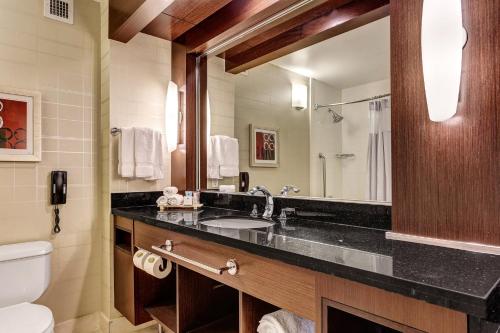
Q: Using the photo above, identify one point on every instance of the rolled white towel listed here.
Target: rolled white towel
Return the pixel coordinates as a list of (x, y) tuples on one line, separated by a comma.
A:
[(283, 321), (175, 200), (169, 190), (162, 200)]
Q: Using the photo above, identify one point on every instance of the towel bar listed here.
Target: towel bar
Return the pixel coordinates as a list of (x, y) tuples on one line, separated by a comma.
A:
[(115, 131)]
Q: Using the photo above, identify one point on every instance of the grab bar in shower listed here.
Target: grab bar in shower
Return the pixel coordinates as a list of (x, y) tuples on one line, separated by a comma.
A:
[(323, 161)]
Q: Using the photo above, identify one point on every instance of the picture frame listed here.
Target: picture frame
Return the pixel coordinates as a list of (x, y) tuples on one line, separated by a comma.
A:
[(264, 147), (20, 125)]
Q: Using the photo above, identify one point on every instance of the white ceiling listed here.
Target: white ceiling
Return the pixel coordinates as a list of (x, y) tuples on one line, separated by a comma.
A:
[(350, 59)]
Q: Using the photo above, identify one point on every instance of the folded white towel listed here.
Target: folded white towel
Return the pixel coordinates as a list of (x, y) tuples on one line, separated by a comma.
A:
[(230, 163), (157, 156), (229, 171), (126, 160), (175, 200), (222, 157), (214, 156), (283, 321), (170, 190), (227, 188), (143, 152)]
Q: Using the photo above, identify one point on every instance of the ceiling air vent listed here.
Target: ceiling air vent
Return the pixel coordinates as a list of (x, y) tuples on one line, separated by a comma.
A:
[(60, 10)]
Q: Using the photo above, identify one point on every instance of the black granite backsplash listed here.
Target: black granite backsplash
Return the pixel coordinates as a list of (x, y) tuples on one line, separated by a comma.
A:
[(357, 214), (131, 199)]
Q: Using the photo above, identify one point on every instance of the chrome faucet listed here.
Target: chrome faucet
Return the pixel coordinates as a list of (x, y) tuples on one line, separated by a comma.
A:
[(288, 188), (268, 211)]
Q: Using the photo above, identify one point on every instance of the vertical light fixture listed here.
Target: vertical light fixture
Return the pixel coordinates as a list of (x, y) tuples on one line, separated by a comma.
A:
[(299, 96), (443, 38), (172, 116)]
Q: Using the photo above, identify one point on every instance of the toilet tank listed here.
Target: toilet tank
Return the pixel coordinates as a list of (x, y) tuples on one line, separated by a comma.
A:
[(24, 271)]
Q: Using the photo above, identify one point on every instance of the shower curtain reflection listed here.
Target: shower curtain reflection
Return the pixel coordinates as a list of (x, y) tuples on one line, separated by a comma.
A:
[(379, 151)]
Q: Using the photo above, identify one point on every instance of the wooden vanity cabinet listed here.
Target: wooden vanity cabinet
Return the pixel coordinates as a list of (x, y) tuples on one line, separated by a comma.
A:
[(346, 306), (135, 290), (194, 299), (285, 286)]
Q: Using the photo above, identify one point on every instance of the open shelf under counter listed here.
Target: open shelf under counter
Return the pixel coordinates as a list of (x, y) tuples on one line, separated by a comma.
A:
[(229, 324), (165, 315)]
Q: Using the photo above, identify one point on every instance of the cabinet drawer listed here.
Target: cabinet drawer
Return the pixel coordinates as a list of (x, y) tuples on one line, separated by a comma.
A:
[(280, 284)]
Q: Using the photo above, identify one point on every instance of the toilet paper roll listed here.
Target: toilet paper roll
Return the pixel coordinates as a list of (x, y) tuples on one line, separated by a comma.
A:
[(155, 266), (140, 258)]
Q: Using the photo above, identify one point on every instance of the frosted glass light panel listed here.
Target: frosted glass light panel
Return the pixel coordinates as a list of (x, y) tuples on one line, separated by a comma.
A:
[(442, 42), (299, 96), (172, 116)]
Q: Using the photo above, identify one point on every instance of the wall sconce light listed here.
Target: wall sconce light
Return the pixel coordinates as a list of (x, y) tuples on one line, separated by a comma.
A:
[(172, 116), (443, 38), (299, 96)]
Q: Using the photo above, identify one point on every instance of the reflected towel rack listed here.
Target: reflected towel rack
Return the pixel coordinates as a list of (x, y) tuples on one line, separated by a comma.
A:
[(344, 156), (319, 106), (115, 131)]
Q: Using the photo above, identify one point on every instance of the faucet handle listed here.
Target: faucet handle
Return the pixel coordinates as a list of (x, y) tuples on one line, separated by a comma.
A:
[(288, 188), (255, 212), (284, 212)]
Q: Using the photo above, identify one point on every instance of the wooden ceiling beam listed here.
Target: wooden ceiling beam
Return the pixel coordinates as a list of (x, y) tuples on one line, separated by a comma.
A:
[(137, 20), (330, 20), (181, 16), (235, 17)]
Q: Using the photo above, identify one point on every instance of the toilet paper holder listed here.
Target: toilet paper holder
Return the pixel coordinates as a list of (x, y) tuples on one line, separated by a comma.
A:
[(167, 249)]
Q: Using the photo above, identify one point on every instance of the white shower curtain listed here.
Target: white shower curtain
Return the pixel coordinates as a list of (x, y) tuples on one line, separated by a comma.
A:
[(379, 151)]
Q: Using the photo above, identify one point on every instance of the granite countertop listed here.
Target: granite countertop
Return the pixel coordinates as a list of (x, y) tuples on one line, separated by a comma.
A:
[(465, 281)]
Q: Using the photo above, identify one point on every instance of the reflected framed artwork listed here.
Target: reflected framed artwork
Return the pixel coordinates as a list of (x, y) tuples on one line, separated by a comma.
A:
[(20, 125), (264, 150)]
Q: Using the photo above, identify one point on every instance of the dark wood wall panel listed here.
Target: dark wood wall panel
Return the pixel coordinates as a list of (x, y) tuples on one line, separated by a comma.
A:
[(446, 175), (178, 157)]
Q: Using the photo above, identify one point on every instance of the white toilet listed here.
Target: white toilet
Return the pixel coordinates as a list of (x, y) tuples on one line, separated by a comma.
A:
[(24, 277)]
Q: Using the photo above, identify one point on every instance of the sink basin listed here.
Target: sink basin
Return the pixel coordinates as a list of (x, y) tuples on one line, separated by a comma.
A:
[(237, 223)]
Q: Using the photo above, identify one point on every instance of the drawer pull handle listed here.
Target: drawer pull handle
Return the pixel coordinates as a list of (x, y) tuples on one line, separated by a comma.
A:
[(167, 248)]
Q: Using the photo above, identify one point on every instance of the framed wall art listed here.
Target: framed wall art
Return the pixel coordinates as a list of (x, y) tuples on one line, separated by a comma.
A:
[(20, 125), (264, 147)]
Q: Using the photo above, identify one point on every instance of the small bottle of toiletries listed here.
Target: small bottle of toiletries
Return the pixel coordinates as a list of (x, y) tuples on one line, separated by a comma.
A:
[(196, 198), (188, 198)]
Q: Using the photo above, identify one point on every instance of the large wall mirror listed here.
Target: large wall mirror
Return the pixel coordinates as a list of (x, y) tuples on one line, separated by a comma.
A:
[(317, 118)]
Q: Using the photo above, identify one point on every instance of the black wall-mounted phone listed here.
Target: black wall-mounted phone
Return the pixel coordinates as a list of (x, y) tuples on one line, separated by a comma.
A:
[(58, 185), (58, 192)]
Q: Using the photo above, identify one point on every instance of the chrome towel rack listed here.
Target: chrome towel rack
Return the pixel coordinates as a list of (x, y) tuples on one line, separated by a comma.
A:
[(344, 156), (115, 131)]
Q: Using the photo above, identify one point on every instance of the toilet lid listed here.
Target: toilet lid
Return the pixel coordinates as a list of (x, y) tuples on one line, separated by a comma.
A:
[(25, 318)]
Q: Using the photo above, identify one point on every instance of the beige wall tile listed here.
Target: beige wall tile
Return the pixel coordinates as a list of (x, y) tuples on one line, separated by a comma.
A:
[(138, 86), (55, 59)]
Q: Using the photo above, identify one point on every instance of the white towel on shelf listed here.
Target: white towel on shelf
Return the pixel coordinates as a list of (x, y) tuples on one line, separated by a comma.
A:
[(283, 321), (158, 165), (126, 160), (143, 152)]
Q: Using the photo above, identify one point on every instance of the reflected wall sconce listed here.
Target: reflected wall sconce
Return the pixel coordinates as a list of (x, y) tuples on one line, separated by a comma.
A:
[(299, 96), (172, 116), (443, 38)]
